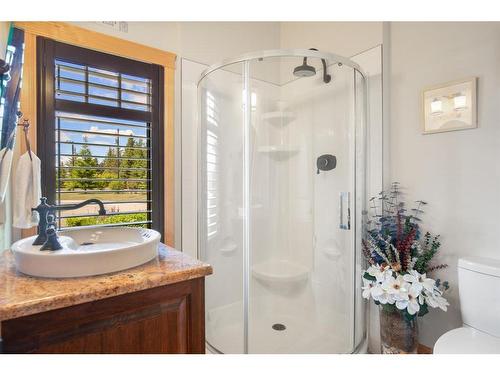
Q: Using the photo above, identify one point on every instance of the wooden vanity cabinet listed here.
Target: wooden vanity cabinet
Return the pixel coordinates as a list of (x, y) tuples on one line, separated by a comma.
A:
[(164, 319)]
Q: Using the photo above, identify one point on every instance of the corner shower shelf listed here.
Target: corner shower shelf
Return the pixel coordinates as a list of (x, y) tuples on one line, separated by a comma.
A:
[(228, 249), (331, 252), (278, 118), (279, 152), (228, 246), (280, 271)]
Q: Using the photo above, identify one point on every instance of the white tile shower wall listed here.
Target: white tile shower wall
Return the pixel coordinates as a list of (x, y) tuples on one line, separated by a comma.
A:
[(456, 172)]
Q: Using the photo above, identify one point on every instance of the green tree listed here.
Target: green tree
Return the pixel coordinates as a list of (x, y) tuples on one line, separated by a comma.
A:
[(84, 174), (66, 172), (111, 167), (134, 151)]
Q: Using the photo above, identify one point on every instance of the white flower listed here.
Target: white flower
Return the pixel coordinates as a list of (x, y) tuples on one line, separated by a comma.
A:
[(374, 288), (435, 299), (367, 288), (408, 292), (385, 298), (380, 273), (393, 285), (420, 281), (410, 300), (379, 294)]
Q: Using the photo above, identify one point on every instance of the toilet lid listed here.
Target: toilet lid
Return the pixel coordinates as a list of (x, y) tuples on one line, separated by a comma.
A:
[(467, 340)]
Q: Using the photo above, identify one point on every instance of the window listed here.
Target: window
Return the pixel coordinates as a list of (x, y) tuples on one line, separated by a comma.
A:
[(101, 135)]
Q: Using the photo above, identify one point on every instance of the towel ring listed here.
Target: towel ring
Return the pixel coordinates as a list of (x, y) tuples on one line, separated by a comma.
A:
[(26, 125)]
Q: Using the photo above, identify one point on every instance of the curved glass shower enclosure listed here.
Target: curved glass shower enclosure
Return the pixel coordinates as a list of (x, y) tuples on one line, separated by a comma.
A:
[(281, 191)]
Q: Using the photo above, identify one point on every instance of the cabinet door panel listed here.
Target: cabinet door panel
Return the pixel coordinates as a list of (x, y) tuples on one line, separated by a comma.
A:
[(167, 319)]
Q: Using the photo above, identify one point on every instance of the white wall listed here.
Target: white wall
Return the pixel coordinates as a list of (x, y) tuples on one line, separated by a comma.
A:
[(343, 38), (209, 42), (456, 172), (204, 42)]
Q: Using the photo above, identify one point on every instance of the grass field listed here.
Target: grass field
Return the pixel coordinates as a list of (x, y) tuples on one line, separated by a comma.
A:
[(114, 219)]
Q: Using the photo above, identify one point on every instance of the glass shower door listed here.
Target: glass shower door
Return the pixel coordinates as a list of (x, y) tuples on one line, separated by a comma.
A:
[(221, 223), (280, 194), (302, 179)]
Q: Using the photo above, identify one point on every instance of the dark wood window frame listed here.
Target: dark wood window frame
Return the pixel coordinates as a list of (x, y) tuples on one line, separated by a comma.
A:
[(47, 52)]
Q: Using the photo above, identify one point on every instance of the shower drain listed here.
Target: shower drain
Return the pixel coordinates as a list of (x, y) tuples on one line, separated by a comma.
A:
[(279, 327)]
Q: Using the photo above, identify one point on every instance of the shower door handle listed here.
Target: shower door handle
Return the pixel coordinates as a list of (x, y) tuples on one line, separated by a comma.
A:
[(345, 210)]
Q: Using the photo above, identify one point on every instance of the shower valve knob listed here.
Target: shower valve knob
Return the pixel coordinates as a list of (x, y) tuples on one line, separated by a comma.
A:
[(326, 162)]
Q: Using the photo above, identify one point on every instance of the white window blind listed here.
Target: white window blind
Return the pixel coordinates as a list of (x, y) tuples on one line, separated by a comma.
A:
[(212, 145)]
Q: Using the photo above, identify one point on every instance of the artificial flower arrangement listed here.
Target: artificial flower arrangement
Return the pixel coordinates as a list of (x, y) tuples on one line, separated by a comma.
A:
[(400, 259)]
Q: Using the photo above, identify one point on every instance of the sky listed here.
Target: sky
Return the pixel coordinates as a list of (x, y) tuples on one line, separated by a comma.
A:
[(73, 128), (103, 88)]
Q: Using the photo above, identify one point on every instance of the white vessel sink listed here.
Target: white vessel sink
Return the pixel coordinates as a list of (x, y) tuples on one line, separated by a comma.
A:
[(88, 252)]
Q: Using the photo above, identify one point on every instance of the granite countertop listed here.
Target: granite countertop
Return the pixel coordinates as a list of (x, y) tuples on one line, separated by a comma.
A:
[(22, 295)]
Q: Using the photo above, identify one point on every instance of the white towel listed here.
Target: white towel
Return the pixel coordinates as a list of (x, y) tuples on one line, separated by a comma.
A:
[(27, 191)]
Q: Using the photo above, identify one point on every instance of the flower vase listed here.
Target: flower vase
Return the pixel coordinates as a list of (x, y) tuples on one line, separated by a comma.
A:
[(398, 335)]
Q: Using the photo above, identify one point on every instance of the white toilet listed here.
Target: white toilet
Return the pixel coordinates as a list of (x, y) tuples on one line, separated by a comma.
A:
[(479, 289)]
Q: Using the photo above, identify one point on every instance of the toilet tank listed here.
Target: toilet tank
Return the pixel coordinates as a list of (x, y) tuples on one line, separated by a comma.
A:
[(479, 289)]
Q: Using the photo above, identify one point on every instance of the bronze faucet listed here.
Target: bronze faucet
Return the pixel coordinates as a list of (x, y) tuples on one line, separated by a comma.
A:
[(47, 235)]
